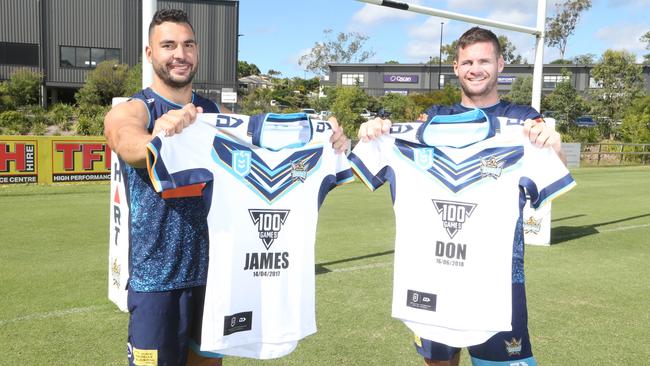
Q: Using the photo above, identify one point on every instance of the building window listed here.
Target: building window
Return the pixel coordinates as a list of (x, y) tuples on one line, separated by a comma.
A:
[(24, 54), (86, 57), (551, 81), (352, 79)]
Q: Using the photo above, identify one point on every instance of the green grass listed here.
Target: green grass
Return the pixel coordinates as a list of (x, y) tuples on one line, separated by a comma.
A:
[(588, 294)]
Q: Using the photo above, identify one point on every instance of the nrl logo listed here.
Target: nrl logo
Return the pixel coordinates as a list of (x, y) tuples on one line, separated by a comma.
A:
[(269, 223), (423, 158), (532, 225), (116, 269), (491, 167), (241, 162), (453, 214), (298, 171), (513, 347)]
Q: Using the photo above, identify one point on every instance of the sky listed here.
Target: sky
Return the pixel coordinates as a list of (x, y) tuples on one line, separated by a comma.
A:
[(274, 34)]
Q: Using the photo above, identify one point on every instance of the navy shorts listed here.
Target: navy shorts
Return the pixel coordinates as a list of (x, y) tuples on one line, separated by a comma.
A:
[(164, 325), (502, 349)]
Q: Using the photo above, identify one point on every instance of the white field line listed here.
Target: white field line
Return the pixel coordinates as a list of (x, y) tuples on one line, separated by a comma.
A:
[(623, 228), (53, 314), (359, 268)]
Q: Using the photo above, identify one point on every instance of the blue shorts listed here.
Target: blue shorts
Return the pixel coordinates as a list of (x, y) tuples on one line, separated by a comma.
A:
[(164, 325), (502, 349)]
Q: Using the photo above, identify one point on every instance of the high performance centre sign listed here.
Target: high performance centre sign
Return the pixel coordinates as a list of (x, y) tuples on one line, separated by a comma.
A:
[(54, 159)]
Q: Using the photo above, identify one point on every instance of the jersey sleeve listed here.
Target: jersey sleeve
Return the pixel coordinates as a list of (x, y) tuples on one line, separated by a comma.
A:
[(181, 160), (545, 176), (369, 163)]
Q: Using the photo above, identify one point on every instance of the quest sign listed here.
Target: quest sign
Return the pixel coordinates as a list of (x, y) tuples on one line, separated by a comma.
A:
[(407, 79)]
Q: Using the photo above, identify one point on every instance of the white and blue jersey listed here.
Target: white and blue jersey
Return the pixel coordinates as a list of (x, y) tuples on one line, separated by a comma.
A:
[(459, 183), (266, 177), (168, 239)]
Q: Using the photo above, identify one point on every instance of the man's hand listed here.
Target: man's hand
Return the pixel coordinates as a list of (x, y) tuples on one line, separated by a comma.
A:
[(176, 120), (542, 135), (339, 141), (374, 128)]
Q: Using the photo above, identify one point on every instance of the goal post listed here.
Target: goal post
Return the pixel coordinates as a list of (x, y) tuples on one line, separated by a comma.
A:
[(537, 31)]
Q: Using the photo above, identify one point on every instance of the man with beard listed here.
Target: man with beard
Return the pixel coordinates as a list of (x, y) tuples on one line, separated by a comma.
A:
[(168, 257), (477, 64)]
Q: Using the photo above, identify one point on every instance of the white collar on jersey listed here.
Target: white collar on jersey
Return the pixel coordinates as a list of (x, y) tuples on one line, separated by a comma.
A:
[(455, 130), (275, 131)]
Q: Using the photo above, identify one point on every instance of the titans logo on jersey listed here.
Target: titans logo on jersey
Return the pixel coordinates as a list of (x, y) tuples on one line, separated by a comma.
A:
[(459, 175), (268, 183)]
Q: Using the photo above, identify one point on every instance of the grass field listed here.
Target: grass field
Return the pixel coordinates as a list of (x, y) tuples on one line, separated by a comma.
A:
[(588, 294)]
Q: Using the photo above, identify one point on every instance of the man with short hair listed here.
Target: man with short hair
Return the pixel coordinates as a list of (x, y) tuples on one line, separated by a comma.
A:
[(168, 258), (477, 64)]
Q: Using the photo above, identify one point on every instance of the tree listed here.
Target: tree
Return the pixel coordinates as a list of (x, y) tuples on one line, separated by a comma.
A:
[(391, 62), (560, 27), (346, 48), (586, 59), (508, 50), (246, 69), (448, 95), (23, 87), (346, 107), (646, 39), (273, 73), (449, 52), (106, 81), (621, 81), (522, 90), (636, 122), (401, 107), (565, 102)]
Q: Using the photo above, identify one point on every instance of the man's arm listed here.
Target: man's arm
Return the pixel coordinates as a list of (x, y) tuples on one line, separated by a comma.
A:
[(126, 131)]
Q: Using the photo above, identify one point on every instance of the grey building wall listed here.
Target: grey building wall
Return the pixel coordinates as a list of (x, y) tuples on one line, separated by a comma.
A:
[(19, 23), (116, 24), (427, 77)]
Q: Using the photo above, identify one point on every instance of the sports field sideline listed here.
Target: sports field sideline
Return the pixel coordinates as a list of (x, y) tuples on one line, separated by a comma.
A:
[(588, 294)]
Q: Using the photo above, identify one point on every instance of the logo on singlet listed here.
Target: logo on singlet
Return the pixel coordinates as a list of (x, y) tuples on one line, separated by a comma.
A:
[(267, 264), (453, 214)]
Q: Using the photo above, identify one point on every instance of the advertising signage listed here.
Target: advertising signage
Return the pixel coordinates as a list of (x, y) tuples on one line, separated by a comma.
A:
[(401, 78)]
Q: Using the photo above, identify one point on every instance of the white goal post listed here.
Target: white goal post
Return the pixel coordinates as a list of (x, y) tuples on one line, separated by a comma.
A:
[(538, 32)]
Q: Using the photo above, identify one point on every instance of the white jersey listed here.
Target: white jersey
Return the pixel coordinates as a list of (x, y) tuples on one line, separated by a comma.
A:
[(457, 208), (266, 178)]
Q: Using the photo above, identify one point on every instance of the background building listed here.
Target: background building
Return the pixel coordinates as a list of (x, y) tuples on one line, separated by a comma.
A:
[(64, 39), (380, 79)]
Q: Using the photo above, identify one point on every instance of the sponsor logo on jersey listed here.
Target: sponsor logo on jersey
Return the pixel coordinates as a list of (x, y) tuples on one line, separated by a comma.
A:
[(421, 300), (423, 158), (532, 225), (453, 214), (298, 171), (491, 167), (241, 162), (269, 223), (239, 322), (227, 121), (513, 347), (399, 128)]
